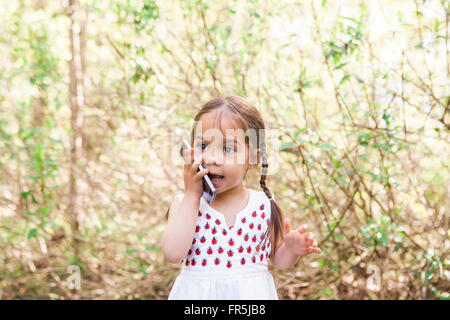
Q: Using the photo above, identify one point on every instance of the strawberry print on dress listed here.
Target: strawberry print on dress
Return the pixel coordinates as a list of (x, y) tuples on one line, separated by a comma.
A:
[(238, 245)]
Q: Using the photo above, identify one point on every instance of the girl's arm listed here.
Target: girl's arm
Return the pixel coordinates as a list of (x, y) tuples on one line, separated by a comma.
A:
[(178, 235), (284, 258), (177, 238)]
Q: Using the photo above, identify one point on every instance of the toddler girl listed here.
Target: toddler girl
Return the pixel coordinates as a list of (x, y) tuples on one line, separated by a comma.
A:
[(225, 246)]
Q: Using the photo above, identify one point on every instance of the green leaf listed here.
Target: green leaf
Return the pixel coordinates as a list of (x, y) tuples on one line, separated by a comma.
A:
[(286, 145), (131, 251), (31, 213), (142, 270), (428, 276), (344, 78), (436, 25), (326, 146), (297, 132), (317, 206), (364, 156), (340, 66), (358, 78), (398, 246), (384, 239), (150, 248), (341, 180), (336, 163), (32, 233)]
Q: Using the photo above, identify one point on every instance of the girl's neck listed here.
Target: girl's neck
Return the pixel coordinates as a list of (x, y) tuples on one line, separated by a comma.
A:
[(237, 193)]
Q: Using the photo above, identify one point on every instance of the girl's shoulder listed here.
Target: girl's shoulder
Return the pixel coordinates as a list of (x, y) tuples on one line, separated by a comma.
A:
[(261, 195)]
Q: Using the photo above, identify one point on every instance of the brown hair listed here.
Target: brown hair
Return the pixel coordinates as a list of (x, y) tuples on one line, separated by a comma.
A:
[(250, 118)]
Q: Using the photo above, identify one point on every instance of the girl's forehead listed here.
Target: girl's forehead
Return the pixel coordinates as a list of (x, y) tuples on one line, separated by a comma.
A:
[(214, 124)]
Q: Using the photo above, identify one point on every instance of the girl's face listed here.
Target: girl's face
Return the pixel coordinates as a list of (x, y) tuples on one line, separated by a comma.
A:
[(225, 153)]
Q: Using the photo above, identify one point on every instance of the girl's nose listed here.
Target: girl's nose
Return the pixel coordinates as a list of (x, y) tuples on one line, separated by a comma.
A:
[(212, 156)]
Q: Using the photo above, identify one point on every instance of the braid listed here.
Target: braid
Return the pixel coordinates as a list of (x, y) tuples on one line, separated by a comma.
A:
[(276, 219), (265, 164), (262, 182)]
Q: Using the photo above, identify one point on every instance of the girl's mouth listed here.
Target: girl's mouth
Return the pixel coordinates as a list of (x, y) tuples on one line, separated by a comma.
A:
[(216, 179)]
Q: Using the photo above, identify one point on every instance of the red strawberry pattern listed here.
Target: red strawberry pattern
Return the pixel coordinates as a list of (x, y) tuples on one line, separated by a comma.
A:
[(216, 245)]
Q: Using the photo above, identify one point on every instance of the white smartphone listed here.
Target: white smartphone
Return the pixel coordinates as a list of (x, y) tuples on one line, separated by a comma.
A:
[(209, 192)]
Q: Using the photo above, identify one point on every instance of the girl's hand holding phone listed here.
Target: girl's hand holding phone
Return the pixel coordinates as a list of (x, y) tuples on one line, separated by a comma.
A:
[(193, 179)]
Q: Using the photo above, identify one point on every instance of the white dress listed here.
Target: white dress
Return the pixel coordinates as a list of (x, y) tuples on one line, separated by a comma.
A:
[(227, 263)]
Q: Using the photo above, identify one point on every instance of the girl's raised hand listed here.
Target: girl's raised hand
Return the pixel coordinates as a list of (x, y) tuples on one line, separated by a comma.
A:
[(299, 242), (193, 183)]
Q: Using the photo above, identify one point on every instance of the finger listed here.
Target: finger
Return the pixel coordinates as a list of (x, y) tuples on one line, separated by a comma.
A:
[(313, 249), (316, 250), (310, 236), (287, 225), (196, 164), (199, 175), (303, 228), (314, 243), (186, 158)]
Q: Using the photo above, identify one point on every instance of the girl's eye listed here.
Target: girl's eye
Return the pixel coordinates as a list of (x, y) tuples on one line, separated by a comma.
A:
[(230, 148)]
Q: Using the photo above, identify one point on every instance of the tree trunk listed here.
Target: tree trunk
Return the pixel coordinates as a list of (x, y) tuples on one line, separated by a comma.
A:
[(76, 88)]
